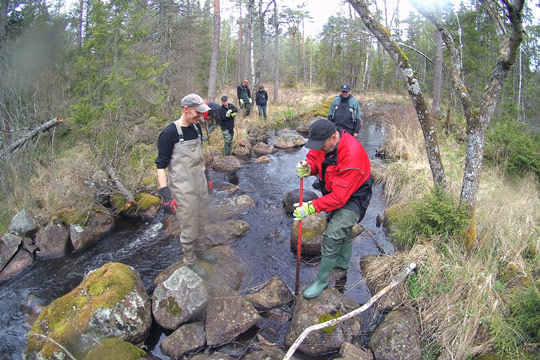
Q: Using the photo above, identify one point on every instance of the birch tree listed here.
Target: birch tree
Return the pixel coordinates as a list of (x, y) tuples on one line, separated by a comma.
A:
[(212, 79)]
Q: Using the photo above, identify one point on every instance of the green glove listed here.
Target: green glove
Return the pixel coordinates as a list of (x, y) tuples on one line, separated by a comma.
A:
[(241, 101), (250, 100), (303, 169), (306, 209), (228, 113), (234, 114)]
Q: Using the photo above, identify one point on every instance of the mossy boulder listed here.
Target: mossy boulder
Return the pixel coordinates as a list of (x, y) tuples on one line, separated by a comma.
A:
[(110, 302), (115, 349), (323, 108), (313, 227)]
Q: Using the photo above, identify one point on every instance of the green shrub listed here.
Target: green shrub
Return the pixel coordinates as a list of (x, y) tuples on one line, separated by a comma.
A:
[(436, 215), (521, 325), (512, 146)]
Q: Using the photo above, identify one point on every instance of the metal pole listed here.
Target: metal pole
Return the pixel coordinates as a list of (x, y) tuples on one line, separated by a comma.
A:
[(299, 241)]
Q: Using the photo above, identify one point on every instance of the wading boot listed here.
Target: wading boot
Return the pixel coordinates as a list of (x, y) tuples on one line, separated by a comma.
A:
[(344, 256), (325, 268), (199, 270), (206, 257)]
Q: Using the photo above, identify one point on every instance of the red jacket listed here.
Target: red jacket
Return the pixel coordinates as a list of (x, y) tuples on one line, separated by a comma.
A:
[(344, 178)]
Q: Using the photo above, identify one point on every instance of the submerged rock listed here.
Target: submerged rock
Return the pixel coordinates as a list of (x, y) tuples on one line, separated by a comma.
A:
[(274, 293), (186, 338)]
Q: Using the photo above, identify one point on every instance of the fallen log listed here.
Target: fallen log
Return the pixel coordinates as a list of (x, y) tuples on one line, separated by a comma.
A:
[(29, 136), (397, 280), (128, 195)]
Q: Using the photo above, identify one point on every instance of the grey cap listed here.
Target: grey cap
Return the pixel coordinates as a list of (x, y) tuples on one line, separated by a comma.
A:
[(195, 101), (319, 132)]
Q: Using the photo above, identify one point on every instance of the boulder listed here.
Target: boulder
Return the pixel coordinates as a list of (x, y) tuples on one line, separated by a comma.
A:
[(226, 163), (52, 240), (32, 307), (257, 134), (272, 294), (262, 160), (110, 302), (289, 140), (18, 263), (186, 338), (95, 228), (228, 315), (23, 224), (263, 149), (29, 245), (266, 353), (293, 197), (398, 334), (313, 227), (303, 128), (329, 304), (273, 326), (9, 244), (214, 356), (351, 352), (116, 349), (179, 298), (226, 231), (231, 207), (241, 151)]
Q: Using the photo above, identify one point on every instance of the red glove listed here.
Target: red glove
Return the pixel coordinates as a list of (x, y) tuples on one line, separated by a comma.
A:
[(210, 186), (168, 202)]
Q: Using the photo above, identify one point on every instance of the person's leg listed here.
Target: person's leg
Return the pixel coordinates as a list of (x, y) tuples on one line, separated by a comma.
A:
[(338, 232), (188, 238), (227, 139), (264, 110), (259, 107)]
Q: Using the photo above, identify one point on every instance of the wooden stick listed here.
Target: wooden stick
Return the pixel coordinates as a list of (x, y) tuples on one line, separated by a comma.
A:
[(28, 136), (396, 281)]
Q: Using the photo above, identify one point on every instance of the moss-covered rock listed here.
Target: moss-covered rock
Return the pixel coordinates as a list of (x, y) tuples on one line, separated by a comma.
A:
[(110, 302), (115, 349)]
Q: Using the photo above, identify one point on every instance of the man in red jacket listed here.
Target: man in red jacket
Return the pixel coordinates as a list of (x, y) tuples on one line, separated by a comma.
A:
[(344, 171)]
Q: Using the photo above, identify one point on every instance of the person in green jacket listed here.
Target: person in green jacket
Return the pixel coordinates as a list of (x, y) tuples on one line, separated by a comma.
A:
[(345, 112), (244, 97)]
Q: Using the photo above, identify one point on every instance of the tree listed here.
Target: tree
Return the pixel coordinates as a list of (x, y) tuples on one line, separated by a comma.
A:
[(212, 79), (413, 86)]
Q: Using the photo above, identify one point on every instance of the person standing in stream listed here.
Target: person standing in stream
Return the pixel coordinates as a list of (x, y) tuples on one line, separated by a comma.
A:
[(183, 180), (344, 171)]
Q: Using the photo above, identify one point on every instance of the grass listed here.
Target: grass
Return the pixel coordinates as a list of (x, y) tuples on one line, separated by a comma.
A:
[(464, 296)]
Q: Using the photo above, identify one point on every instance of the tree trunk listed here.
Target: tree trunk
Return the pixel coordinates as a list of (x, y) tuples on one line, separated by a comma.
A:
[(3, 23), (80, 27), (29, 136), (212, 79), (239, 58), (437, 81), (249, 39), (420, 105), (276, 54)]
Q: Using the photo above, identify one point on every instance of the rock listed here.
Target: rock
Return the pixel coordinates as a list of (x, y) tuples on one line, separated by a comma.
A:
[(231, 208), (214, 356), (95, 228), (351, 352), (313, 227), (292, 197), (273, 294), (33, 306), (262, 160), (178, 299), (227, 163), (110, 302), (398, 334), (228, 315), (256, 134), (391, 299), (115, 349), (9, 244), (241, 151), (303, 128), (369, 107), (329, 304), (263, 149), (266, 353), (290, 140), (226, 231), (52, 241), (23, 224), (186, 338), (28, 245), (273, 326), (18, 263)]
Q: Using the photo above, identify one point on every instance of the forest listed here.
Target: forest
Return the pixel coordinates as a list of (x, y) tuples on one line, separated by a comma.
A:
[(93, 82)]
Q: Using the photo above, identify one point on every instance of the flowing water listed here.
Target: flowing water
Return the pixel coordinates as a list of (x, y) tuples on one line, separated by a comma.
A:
[(264, 250)]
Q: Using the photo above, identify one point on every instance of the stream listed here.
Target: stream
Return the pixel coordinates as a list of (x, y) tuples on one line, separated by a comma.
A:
[(264, 250)]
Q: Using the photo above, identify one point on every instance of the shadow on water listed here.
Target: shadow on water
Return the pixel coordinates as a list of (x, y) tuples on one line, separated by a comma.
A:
[(264, 251)]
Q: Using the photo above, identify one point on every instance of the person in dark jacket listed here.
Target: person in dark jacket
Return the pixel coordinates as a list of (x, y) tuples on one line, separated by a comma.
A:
[(244, 97), (225, 118), (261, 98), (345, 112), (210, 115), (344, 171)]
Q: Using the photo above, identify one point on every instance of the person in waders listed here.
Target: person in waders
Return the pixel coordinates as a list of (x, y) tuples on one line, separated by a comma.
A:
[(225, 115), (344, 171), (183, 182)]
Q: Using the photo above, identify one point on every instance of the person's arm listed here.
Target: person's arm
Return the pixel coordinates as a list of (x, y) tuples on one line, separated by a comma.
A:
[(358, 122), (162, 177), (238, 92), (331, 111)]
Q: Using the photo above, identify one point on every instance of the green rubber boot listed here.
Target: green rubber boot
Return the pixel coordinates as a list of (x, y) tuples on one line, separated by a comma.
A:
[(325, 268), (344, 256)]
